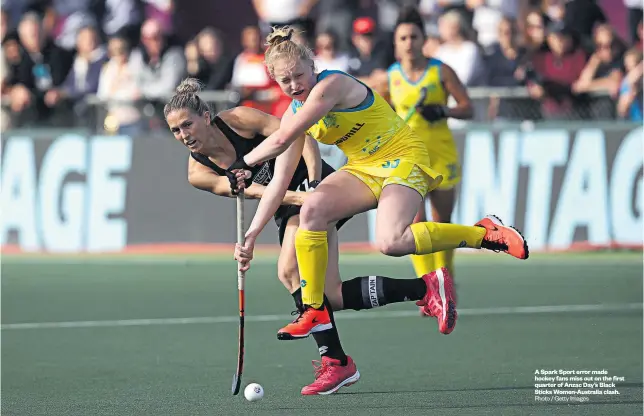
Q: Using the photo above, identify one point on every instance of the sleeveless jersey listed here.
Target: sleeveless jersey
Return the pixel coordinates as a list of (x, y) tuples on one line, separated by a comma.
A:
[(299, 182), (404, 94), (243, 146), (374, 138)]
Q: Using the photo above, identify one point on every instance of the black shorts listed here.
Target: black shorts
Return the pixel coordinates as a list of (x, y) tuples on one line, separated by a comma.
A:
[(300, 182)]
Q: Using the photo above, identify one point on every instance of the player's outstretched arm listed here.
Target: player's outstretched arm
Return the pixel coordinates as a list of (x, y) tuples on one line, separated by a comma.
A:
[(312, 158), (322, 98), (285, 166)]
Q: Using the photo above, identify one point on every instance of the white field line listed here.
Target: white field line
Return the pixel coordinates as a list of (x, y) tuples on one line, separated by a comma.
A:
[(510, 310)]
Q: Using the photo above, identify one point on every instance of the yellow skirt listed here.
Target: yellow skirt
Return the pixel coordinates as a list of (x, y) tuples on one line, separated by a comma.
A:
[(417, 176)]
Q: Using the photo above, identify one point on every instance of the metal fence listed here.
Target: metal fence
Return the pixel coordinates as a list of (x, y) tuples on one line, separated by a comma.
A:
[(515, 104), (490, 104)]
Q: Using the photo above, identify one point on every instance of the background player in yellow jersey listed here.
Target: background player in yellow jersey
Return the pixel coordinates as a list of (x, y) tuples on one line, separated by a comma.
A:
[(388, 169), (410, 79)]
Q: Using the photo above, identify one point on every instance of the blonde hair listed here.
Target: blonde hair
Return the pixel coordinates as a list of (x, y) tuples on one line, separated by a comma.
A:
[(186, 97), (280, 46)]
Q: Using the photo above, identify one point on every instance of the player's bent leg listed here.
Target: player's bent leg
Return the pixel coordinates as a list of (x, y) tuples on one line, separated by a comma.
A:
[(333, 283), (340, 195), (396, 210), (442, 202), (393, 231), (397, 237), (328, 340), (287, 270), (423, 263)]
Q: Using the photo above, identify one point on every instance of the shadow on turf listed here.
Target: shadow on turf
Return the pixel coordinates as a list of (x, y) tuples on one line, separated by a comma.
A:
[(621, 386)]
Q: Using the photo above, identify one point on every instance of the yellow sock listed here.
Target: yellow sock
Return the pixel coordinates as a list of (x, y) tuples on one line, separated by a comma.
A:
[(427, 263), (312, 251), (448, 261), (432, 237), (424, 263)]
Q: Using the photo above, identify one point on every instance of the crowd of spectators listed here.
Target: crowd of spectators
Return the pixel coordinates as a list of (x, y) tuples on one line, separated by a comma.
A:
[(560, 59)]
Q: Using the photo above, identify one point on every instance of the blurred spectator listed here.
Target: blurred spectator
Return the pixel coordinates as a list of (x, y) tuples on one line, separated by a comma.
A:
[(336, 16), (555, 71), (502, 70), (250, 76), (15, 9), (581, 16), (534, 32), (65, 18), (629, 105), (160, 11), (431, 46), (433, 9), (487, 15), (248, 69), (327, 55), (83, 77), (194, 65), (554, 10), (218, 65), (4, 24), (283, 12), (502, 62), (634, 9), (532, 41), (603, 72), (463, 55), (5, 118), (158, 66), (120, 17), (40, 67), (4, 65), (388, 12), (301, 36), (11, 52), (118, 86), (367, 57)]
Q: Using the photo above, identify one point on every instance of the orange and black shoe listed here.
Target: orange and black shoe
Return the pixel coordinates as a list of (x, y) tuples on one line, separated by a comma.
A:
[(499, 237), (309, 320)]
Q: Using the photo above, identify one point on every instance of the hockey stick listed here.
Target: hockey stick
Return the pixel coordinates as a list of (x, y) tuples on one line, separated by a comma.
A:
[(421, 98), (242, 301)]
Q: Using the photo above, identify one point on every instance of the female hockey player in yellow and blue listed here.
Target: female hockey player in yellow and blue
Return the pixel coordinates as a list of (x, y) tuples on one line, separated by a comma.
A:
[(418, 89), (388, 169)]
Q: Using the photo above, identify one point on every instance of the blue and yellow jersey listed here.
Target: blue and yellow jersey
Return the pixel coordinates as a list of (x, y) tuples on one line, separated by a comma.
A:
[(404, 94), (371, 135), (436, 136)]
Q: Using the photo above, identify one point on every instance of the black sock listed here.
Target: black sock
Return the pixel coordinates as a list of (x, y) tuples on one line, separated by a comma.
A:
[(297, 296), (328, 341), (368, 292)]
